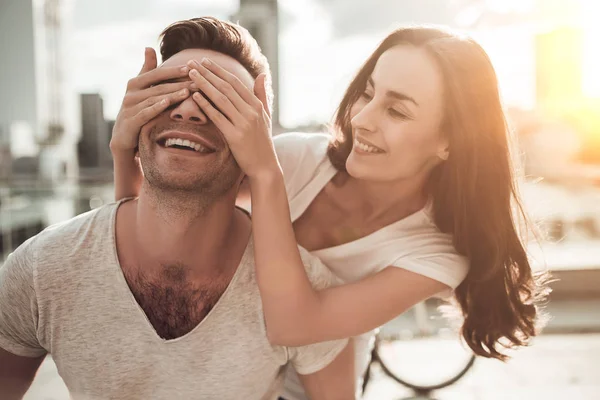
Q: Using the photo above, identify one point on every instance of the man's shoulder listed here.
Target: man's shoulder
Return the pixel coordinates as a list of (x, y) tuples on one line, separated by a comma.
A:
[(79, 224), (50, 257), (65, 236)]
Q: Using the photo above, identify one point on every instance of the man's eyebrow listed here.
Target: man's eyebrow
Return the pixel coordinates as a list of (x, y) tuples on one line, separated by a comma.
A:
[(394, 94)]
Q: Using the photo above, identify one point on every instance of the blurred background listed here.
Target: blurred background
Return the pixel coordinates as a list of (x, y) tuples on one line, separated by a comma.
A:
[(66, 63)]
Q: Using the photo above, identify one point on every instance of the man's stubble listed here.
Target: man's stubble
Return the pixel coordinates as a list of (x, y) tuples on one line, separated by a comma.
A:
[(168, 182)]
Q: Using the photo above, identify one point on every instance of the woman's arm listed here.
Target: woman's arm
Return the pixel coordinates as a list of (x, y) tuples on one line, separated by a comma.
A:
[(127, 174), (295, 313), (288, 298)]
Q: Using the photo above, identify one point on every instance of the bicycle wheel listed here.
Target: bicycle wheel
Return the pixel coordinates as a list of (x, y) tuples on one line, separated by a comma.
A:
[(420, 350)]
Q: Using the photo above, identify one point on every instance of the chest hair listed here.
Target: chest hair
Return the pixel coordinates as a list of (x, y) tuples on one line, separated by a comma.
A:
[(174, 303)]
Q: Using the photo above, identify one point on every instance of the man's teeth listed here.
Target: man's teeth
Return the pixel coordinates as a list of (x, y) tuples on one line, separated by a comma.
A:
[(366, 147), (187, 143)]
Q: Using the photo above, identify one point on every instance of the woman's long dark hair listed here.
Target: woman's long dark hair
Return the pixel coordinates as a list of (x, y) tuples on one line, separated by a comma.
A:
[(474, 193)]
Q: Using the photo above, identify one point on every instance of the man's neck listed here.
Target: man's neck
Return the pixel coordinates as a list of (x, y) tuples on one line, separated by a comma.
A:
[(180, 229)]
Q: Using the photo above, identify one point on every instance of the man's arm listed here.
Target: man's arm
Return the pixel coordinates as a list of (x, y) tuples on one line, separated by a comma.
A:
[(334, 382), (20, 350), (16, 374)]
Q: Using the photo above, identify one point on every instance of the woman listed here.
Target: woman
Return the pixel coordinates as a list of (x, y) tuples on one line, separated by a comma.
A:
[(416, 180)]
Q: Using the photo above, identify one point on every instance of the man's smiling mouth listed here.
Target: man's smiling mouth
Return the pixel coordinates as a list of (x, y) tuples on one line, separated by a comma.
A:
[(184, 144)]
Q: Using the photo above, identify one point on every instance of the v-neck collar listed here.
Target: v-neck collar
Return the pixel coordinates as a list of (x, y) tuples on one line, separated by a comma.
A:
[(245, 260)]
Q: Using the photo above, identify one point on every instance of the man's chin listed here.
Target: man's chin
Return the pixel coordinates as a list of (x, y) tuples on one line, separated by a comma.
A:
[(182, 181), (170, 186), (166, 171)]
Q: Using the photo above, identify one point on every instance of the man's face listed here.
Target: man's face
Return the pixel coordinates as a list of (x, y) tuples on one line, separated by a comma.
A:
[(181, 149)]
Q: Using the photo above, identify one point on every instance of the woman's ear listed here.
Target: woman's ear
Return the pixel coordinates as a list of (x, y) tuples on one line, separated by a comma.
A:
[(444, 154)]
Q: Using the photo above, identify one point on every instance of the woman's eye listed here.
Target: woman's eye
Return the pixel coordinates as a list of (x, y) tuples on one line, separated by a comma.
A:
[(397, 114), (366, 96)]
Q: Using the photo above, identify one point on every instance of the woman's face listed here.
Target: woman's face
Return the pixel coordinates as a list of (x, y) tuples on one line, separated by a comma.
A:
[(396, 121)]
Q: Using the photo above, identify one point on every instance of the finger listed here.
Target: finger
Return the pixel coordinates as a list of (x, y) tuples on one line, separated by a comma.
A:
[(214, 70), (149, 60), (174, 98), (156, 76), (223, 87), (149, 113), (136, 97), (260, 91), (220, 120), (219, 99)]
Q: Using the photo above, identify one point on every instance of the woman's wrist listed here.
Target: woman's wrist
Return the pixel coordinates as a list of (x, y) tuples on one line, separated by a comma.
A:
[(269, 177), (117, 146), (121, 153)]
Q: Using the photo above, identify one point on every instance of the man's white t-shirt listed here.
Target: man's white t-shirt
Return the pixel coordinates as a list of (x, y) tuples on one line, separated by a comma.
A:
[(63, 292), (413, 243)]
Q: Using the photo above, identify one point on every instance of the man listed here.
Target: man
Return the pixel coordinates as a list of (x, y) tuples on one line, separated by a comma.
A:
[(155, 297)]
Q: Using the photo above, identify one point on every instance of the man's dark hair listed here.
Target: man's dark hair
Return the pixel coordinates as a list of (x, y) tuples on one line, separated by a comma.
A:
[(214, 34)]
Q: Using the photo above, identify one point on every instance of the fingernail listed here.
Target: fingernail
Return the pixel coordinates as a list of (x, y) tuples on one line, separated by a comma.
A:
[(206, 61), (183, 92), (185, 70), (194, 73), (193, 63), (193, 86)]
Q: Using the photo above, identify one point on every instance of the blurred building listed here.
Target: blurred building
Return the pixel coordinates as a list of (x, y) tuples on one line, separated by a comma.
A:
[(35, 96), (25, 168), (5, 154), (93, 150), (261, 18)]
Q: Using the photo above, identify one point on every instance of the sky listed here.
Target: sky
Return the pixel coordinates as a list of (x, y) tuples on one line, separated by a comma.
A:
[(322, 44)]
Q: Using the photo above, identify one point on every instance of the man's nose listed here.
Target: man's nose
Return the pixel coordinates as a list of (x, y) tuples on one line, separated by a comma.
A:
[(188, 111)]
